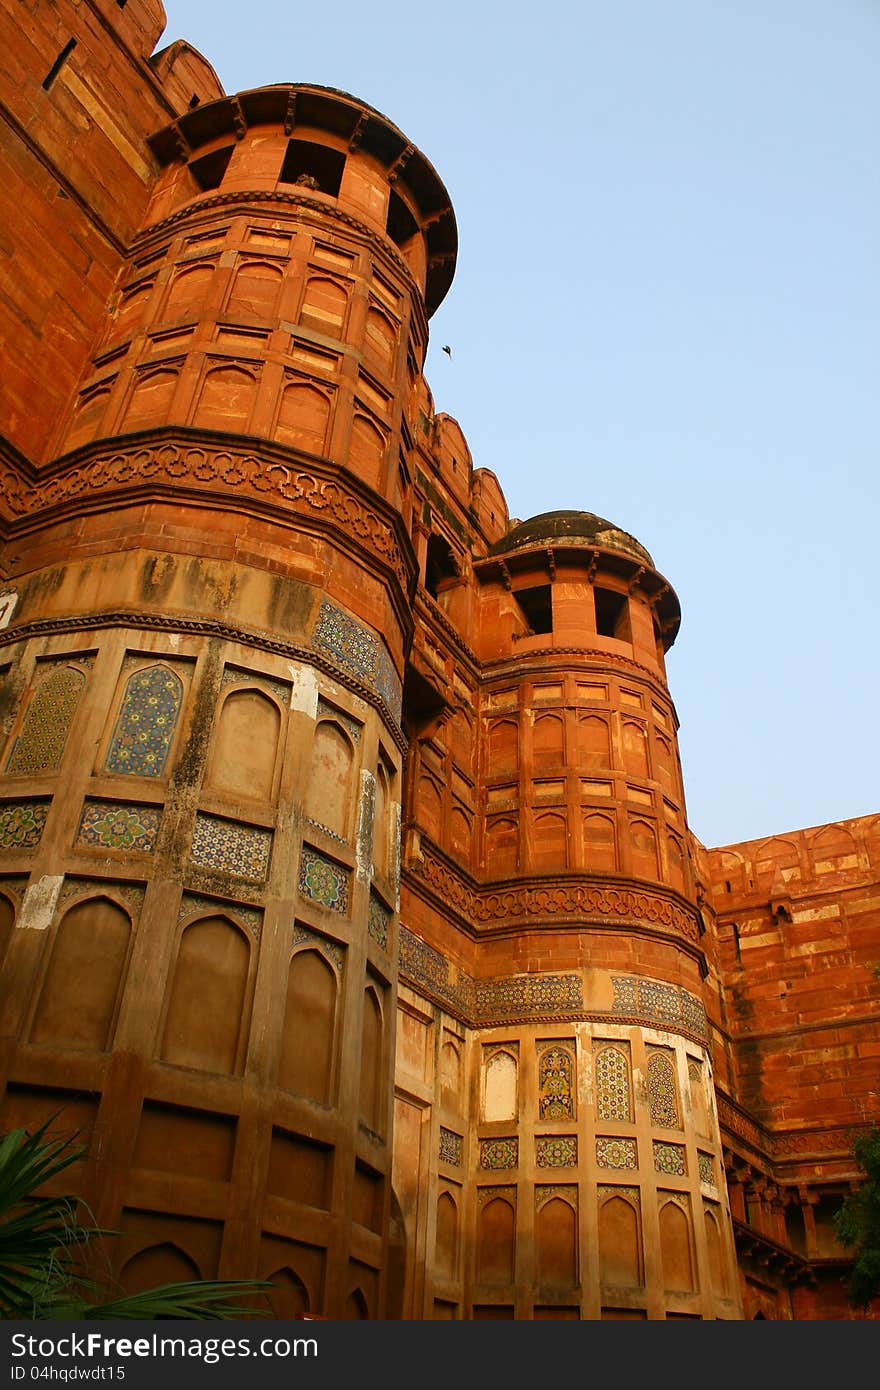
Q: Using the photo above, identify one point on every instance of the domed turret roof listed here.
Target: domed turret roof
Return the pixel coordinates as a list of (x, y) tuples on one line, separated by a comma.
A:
[(575, 528)]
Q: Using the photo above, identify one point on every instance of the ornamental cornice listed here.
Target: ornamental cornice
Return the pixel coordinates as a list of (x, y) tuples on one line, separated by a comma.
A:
[(560, 899), (263, 475), (296, 202)]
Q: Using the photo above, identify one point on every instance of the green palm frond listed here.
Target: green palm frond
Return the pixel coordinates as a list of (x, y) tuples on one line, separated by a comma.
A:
[(43, 1239)]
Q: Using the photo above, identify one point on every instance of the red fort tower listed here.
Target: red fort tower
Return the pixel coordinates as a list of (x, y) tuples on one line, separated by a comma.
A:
[(348, 904)]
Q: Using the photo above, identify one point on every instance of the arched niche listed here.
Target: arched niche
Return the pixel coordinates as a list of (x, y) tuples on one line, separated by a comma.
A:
[(371, 1088), (460, 835), (40, 744), (144, 729), (450, 1075), (496, 1242), (635, 749), (150, 401), (303, 417), (549, 840), (620, 1242), (675, 1248), (366, 450), (356, 1307), (382, 829), (643, 849), (600, 843), (502, 846), (447, 1236), (503, 747), (288, 1297), (699, 1105), (226, 399), (189, 291), (675, 860), (309, 1032), (255, 290), (430, 806), (380, 339), (594, 742), (666, 765), (132, 308), (715, 1252), (329, 795), (206, 1023), (244, 748), (499, 1087), (548, 741), (776, 858), (324, 306), (156, 1265), (83, 980), (832, 849), (557, 1241), (89, 416)]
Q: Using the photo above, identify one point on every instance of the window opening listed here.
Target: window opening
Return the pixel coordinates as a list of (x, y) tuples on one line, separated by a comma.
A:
[(612, 614), (313, 166), (536, 606)]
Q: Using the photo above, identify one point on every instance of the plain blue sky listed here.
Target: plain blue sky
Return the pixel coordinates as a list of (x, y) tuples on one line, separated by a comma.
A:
[(666, 311)]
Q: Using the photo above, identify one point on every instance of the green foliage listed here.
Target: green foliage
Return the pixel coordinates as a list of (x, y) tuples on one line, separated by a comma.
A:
[(44, 1241), (858, 1222)]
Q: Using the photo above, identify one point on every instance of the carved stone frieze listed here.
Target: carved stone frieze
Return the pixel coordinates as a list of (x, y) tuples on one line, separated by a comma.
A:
[(566, 899), (211, 468)]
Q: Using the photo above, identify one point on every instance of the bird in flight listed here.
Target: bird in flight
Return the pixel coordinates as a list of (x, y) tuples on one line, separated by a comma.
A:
[(447, 350)]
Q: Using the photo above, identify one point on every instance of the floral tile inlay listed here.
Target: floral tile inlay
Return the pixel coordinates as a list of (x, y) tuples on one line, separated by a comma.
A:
[(499, 1153), (21, 823), (115, 825), (556, 1151), (323, 881), (616, 1153), (669, 1158)]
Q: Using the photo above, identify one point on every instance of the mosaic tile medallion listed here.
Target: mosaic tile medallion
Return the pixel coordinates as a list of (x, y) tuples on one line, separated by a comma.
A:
[(231, 847), (450, 1147), (114, 825), (21, 823), (499, 1153), (324, 881), (616, 1153), (707, 1168), (556, 1151), (670, 1158)]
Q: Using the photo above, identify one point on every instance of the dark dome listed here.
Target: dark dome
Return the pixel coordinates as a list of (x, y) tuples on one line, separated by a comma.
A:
[(576, 527)]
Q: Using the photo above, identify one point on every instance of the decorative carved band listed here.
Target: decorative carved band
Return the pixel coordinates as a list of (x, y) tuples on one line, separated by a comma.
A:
[(797, 1143), (508, 999), (262, 476), (567, 899)]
